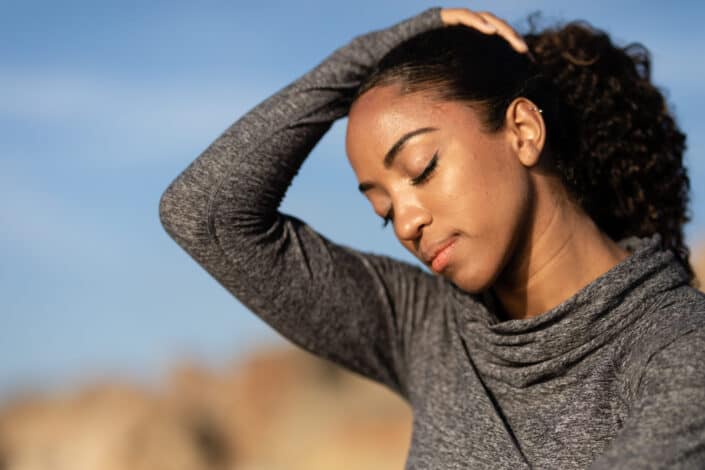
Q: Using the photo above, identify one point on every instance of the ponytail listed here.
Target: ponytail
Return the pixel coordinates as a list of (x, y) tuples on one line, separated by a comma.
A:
[(617, 148)]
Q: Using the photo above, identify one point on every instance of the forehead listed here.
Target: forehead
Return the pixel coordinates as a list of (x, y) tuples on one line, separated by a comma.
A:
[(381, 115)]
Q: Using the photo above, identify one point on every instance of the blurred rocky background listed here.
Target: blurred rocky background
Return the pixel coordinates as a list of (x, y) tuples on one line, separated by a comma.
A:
[(276, 409)]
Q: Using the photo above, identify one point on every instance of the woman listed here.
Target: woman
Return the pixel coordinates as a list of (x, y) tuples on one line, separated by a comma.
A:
[(558, 328)]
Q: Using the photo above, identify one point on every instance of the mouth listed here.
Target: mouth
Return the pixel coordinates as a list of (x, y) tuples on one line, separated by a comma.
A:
[(440, 255)]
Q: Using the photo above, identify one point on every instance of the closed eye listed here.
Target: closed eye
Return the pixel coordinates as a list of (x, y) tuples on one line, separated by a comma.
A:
[(417, 180)]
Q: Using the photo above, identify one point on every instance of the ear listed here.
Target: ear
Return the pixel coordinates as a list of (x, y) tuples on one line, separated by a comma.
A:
[(526, 130)]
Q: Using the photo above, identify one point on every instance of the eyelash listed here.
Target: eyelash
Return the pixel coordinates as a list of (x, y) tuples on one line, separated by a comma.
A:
[(416, 181), (387, 218)]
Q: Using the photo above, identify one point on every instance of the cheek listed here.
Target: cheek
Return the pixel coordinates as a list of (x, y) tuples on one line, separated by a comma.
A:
[(491, 212), (502, 205), (470, 194), (501, 183)]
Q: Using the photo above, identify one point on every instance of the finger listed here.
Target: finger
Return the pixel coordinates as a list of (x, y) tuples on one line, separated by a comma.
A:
[(504, 28), (506, 31), (454, 16)]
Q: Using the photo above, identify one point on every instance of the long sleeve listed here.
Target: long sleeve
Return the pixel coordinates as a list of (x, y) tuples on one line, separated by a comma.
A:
[(357, 309), (666, 428)]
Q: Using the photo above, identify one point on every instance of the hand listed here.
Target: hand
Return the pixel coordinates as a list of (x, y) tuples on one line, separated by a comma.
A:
[(485, 23)]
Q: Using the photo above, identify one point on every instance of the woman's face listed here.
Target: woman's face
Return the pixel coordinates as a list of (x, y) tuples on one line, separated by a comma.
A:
[(458, 198)]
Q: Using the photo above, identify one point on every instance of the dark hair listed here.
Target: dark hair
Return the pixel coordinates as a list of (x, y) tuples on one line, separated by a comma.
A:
[(610, 136)]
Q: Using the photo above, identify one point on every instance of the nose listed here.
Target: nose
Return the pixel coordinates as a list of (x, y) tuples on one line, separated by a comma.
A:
[(409, 220)]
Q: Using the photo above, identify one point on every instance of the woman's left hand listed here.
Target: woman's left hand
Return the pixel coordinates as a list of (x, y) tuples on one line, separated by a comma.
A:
[(484, 22)]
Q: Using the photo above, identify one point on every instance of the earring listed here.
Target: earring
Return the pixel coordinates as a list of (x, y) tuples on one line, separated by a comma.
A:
[(537, 109)]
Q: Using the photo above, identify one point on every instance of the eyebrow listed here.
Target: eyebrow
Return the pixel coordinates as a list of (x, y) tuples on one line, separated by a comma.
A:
[(394, 151)]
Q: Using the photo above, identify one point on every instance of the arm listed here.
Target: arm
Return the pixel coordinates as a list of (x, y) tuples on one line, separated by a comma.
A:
[(355, 309), (666, 428)]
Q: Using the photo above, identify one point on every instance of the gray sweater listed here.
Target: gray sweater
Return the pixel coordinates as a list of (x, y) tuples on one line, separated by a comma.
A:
[(613, 377)]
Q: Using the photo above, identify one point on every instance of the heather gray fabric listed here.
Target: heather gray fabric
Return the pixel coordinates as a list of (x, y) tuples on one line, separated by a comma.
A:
[(613, 377)]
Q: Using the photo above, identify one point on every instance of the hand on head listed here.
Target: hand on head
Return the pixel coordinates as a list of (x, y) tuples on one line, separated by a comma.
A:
[(484, 22)]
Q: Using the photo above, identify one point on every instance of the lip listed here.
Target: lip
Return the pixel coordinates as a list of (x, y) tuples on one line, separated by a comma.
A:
[(431, 254)]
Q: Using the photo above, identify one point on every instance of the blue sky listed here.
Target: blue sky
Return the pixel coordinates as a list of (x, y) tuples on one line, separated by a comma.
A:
[(102, 104)]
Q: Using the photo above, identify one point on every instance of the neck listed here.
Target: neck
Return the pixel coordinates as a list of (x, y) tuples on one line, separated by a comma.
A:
[(562, 252)]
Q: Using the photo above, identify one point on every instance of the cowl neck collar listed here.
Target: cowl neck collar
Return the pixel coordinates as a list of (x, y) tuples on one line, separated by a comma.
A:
[(523, 352)]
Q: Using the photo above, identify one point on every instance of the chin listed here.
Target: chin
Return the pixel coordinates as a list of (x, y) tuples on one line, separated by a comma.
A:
[(471, 279)]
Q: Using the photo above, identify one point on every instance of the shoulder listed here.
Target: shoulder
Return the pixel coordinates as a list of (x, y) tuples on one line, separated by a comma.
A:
[(676, 313), (679, 363), (669, 338), (665, 424), (419, 289), (428, 303), (679, 336)]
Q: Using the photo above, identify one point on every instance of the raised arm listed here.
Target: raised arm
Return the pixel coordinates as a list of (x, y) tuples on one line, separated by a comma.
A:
[(356, 309)]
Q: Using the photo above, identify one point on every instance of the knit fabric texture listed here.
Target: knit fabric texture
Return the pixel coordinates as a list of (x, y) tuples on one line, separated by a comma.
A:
[(613, 377)]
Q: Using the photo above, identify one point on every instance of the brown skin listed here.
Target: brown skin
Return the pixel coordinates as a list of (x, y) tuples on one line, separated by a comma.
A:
[(485, 22), (514, 229)]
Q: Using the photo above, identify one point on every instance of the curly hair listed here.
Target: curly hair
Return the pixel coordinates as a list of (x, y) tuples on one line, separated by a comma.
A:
[(610, 135)]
